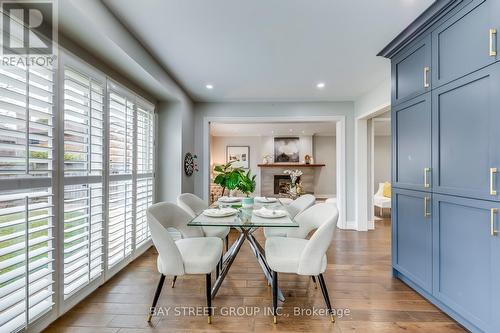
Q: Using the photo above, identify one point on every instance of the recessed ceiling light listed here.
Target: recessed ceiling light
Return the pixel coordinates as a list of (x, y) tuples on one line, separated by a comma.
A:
[(320, 85), (209, 86)]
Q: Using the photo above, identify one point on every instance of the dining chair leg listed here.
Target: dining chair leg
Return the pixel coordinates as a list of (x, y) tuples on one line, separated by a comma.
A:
[(209, 296), (217, 270), (326, 297), (227, 242), (155, 299), (315, 283), (173, 281), (275, 297)]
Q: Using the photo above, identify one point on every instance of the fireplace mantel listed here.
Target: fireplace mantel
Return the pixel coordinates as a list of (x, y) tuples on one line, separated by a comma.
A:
[(288, 165)]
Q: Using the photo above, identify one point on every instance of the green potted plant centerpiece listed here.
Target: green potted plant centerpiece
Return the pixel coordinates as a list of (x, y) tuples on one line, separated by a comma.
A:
[(231, 178), (247, 185), (227, 176)]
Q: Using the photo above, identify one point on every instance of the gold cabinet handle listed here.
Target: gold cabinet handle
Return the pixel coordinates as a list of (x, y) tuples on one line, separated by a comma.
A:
[(493, 212), (426, 206), (426, 180), (426, 76), (493, 51), (493, 171)]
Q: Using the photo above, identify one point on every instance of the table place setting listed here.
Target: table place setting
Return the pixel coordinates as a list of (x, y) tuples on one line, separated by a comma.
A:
[(229, 199), (265, 200), (220, 212), (270, 213)]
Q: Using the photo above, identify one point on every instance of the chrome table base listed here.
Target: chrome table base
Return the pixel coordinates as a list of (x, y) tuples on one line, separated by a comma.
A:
[(230, 255)]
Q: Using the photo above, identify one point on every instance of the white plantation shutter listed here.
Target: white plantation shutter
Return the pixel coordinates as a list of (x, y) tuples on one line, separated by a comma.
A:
[(27, 256), (26, 138), (83, 190), (120, 221), (121, 134), (145, 152), (121, 188), (131, 164), (90, 222), (27, 220)]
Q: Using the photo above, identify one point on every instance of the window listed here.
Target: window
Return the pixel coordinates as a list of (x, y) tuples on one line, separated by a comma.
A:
[(75, 183), (130, 172), (83, 194), (27, 219), (145, 144)]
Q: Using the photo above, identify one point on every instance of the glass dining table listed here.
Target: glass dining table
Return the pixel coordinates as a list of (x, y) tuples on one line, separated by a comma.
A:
[(246, 220)]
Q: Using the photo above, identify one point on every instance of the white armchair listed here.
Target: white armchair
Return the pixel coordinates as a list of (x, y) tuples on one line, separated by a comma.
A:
[(294, 208), (194, 206), (301, 256), (193, 254), (380, 201)]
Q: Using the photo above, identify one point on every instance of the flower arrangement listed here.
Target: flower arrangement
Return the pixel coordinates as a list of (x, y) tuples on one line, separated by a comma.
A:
[(294, 175), (295, 187)]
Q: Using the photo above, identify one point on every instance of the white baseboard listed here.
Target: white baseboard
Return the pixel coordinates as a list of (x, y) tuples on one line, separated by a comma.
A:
[(349, 225), (371, 225), (352, 225)]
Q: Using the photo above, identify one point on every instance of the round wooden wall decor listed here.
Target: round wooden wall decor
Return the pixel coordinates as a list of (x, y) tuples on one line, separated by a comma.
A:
[(189, 164)]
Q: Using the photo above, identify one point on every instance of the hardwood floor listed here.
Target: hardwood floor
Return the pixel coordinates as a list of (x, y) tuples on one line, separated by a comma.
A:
[(358, 279)]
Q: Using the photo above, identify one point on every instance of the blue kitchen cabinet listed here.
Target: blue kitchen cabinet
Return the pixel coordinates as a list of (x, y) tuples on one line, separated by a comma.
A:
[(412, 139), (467, 260), (412, 236), (411, 71), (466, 42), (466, 135)]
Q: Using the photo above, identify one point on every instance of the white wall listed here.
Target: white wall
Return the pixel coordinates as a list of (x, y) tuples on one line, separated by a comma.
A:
[(175, 138), (287, 110), (381, 160), (325, 180)]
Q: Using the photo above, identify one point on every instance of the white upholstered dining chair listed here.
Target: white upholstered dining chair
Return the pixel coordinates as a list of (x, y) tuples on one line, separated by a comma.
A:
[(193, 254), (194, 206), (294, 209), (304, 256)]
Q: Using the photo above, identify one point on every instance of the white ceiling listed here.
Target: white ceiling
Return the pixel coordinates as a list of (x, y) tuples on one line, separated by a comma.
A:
[(272, 129), (264, 50), (382, 127)]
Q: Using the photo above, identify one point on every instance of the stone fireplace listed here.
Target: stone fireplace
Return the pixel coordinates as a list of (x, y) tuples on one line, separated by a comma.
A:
[(275, 183), (282, 184)]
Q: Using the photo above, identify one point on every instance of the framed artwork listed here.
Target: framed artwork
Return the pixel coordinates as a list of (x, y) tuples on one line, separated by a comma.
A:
[(240, 154), (286, 150)]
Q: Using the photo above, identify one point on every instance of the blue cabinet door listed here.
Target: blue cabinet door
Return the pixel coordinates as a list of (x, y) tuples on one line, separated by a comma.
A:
[(466, 259), (411, 128), (411, 71), (412, 236), (466, 135), (462, 44)]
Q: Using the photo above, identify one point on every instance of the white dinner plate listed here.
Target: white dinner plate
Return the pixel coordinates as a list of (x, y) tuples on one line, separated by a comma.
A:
[(229, 199), (270, 213), (223, 212), (265, 200)]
